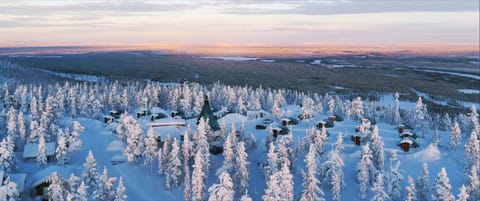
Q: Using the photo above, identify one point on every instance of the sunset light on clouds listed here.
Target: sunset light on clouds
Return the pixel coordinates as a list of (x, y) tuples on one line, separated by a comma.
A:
[(239, 23)]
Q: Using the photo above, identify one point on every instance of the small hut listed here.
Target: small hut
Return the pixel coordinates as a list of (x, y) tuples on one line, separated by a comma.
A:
[(406, 143), (357, 138), (30, 151), (321, 124), (207, 113), (285, 121), (39, 181)]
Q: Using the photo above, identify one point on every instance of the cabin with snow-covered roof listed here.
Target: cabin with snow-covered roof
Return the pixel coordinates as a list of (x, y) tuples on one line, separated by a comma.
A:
[(30, 151), (39, 181)]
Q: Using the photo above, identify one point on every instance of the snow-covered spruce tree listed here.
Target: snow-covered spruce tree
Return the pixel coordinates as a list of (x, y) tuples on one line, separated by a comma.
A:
[(365, 171), (472, 147), (62, 149), (121, 192), (463, 194), (245, 197), (21, 127), (241, 166), (134, 149), (163, 154), (446, 122), (124, 100), (151, 148), (441, 190), (57, 188), (9, 191), (42, 152), (455, 136), (7, 155), (286, 183), (73, 184), (276, 111), (339, 143), (241, 108), (378, 192), (473, 187), (307, 108), (410, 191), (174, 167), (377, 148), (186, 152), (272, 161), (311, 190), (331, 104), (272, 193), (357, 108), (90, 176), (285, 155), (228, 152), (74, 141), (474, 116), (331, 173), (105, 190), (222, 191), (394, 177), (12, 123), (320, 139), (82, 192), (423, 184), (34, 130), (396, 109), (198, 178), (202, 143)]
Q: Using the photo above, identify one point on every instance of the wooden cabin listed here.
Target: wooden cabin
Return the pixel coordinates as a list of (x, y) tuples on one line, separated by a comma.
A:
[(40, 180), (357, 139), (405, 144), (285, 121), (108, 119), (321, 124), (332, 118), (30, 151), (276, 131)]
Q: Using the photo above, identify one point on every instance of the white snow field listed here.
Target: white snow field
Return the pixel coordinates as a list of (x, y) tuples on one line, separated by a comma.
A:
[(60, 112)]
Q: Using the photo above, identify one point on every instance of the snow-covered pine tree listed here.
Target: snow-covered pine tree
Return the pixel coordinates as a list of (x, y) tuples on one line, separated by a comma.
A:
[(241, 167), (320, 139), (377, 148), (394, 177), (202, 143), (186, 152), (151, 148), (228, 152), (396, 109), (163, 154), (474, 116), (34, 130), (82, 192), (57, 188), (463, 194), (331, 104), (120, 193), (339, 143), (245, 197), (74, 141), (241, 107), (7, 155), (307, 108), (198, 178), (378, 192), (134, 149), (105, 190), (62, 149), (42, 152), (174, 167), (273, 187), (276, 111), (222, 191), (441, 190), (90, 176), (410, 191), (9, 191), (357, 108), (472, 147), (311, 190), (21, 127), (73, 184), (473, 187), (272, 161), (455, 136), (12, 123), (423, 184), (286, 183), (365, 171)]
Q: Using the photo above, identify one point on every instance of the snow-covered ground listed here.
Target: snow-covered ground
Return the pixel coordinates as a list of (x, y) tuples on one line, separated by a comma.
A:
[(469, 91), (232, 58)]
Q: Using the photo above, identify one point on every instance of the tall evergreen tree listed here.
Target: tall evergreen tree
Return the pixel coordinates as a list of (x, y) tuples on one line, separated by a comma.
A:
[(423, 184), (174, 166), (57, 188), (120, 193), (151, 148), (105, 190), (411, 192), (241, 175), (365, 171), (441, 190), (90, 176), (42, 152), (198, 178), (311, 190), (394, 177), (222, 191), (455, 136), (379, 193)]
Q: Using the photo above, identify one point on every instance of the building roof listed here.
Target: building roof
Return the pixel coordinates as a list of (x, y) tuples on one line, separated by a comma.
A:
[(43, 175), (207, 113), (19, 179), (31, 149)]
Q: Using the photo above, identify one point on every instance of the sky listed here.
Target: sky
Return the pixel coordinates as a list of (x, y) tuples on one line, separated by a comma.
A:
[(380, 23)]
